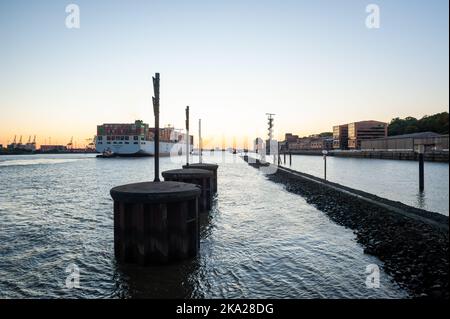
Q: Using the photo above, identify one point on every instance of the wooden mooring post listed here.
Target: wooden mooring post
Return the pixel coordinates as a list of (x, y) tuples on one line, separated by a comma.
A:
[(201, 177), (156, 222), (421, 151), (210, 167)]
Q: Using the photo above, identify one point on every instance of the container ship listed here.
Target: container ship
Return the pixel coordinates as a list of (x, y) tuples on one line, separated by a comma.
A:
[(137, 139)]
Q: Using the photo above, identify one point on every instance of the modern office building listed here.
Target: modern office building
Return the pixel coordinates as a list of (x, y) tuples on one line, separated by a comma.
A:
[(340, 137), (365, 130)]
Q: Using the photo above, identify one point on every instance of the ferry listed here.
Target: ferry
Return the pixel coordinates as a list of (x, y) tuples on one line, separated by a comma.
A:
[(137, 139)]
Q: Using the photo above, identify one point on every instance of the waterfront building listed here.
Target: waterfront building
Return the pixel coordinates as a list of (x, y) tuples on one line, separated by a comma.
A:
[(408, 142), (311, 143), (53, 148), (289, 138), (365, 130), (30, 146), (340, 137)]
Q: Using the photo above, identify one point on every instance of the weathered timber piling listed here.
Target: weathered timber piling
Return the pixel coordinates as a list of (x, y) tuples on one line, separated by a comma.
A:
[(200, 177), (156, 113), (207, 166), (188, 148), (155, 223), (421, 151)]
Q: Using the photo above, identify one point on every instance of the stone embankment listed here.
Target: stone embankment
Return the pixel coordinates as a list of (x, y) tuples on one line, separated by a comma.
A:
[(412, 243)]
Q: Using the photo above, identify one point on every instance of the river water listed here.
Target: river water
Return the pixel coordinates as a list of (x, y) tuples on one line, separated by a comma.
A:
[(259, 241), (397, 180)]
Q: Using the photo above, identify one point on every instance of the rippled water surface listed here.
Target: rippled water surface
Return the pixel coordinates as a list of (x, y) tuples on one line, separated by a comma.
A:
[(259, 241), (393, 179)]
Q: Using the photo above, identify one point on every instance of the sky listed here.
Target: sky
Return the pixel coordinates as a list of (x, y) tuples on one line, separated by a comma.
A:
[(314, 64)]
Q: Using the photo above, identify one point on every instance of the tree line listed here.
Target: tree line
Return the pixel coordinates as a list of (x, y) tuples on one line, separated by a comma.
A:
[(437, 123)]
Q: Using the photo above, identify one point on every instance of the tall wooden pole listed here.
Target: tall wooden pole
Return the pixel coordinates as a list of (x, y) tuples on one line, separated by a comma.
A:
[(156, 113), (187, 136)]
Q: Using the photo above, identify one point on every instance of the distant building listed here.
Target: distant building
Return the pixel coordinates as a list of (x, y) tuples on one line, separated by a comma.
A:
[(340, 137), (408, 142), (312, 142), (365, 130), (28, 147), (289, 138), (53, 148)]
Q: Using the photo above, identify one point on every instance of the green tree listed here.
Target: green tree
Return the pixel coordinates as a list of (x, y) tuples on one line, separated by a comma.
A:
[(437, 123)]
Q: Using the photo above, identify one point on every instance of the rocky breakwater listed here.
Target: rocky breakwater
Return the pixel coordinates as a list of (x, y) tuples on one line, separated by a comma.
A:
[(412, 243)]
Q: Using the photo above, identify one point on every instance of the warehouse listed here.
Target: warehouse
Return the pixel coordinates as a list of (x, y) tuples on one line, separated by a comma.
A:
[(408, 142)]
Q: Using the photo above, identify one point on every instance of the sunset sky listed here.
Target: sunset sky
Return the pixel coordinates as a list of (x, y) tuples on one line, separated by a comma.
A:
[(313, 63)]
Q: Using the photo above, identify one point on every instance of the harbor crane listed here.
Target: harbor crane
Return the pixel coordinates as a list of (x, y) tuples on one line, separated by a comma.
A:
[(70, 144), (90, 143)]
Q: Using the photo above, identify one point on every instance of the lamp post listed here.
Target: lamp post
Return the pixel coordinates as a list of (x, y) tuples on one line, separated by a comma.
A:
[(325, 152)]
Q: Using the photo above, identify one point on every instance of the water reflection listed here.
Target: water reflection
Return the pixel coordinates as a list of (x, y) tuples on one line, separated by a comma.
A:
[(421, 199), (162, 281), (176, 280), (259, 241)]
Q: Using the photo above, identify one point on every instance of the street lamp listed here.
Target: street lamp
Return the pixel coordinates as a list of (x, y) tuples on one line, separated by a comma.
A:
[(325, 152)]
